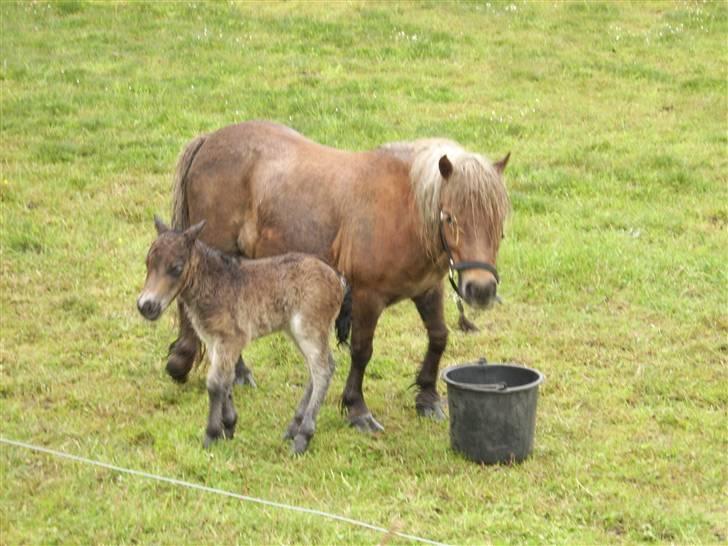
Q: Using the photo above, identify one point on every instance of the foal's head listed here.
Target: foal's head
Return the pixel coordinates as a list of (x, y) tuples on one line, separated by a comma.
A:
[(473, 207), (168, 263)]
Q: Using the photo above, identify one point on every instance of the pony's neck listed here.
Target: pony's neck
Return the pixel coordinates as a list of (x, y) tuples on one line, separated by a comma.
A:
[(207, 268)]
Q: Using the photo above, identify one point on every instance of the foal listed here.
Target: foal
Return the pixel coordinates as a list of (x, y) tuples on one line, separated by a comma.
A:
[(233, 301)]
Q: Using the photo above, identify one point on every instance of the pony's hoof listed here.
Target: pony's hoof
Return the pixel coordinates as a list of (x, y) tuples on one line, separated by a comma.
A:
[(300, 444), (366, 423), (431, 411), (290, 432), (229, 433), (210, 439), (176, 372)]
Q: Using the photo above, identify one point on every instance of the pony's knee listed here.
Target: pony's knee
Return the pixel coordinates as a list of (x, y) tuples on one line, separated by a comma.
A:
[(437, 340)]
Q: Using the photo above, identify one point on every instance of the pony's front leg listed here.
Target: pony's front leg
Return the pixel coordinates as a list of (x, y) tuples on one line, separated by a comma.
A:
[(219, 387), (365, 314), (183, 350), (430, 307)]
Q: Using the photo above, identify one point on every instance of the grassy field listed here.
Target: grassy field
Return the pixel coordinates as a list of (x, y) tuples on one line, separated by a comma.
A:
[(614, 268)]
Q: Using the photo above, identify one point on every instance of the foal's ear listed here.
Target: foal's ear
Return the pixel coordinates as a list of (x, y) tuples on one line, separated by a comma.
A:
[(161, 226), (445, 167), (193, 232), (500, 166)]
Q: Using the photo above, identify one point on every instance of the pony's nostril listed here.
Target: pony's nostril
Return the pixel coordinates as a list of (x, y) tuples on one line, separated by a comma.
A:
[(149, 308), (480, 293)]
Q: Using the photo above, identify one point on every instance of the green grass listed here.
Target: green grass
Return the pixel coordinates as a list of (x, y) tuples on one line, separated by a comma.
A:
[(613, 267)]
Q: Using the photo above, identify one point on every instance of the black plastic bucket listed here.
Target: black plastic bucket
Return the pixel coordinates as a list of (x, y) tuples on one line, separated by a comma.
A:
[(492, 410)]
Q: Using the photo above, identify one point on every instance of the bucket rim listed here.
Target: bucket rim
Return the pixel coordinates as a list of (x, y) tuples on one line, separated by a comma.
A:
[(484, 388)]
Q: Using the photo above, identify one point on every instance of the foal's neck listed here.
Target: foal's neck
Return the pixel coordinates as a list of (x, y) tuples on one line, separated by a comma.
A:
[(208, 270)]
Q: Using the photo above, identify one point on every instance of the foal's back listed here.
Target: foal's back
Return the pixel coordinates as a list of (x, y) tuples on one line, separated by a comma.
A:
[(287, 292)]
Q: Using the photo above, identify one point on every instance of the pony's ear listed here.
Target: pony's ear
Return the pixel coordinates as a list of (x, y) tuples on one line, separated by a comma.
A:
[(445, 167), (193, 232), (500, 166), (161, 226)]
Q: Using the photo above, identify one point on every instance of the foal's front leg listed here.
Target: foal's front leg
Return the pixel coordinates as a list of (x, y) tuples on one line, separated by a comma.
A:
[(219, 388), (430, 307)]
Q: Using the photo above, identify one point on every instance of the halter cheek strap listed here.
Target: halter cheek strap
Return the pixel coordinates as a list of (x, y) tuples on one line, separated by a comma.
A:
[(461, 266)]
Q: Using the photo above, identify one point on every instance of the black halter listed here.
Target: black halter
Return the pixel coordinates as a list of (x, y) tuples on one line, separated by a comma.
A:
[(460, 266)]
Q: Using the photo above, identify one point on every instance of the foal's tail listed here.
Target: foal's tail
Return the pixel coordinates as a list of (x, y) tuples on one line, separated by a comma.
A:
[(180, 210), (343, 321)]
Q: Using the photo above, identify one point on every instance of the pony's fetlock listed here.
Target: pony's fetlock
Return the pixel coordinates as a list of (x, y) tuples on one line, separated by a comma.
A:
[(212, 435)]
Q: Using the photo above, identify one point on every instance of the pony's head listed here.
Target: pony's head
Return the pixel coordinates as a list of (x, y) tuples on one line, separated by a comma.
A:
[(464, 205), (168, 263)]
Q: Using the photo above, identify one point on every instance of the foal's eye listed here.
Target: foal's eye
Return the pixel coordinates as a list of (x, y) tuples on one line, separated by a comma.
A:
[(175, 270)]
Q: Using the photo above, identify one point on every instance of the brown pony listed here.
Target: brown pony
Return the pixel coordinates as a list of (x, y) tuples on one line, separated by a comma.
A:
[(232, 302), (393, 221)]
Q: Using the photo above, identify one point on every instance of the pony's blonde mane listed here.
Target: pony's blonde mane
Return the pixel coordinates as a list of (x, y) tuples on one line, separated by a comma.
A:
[(473, 183)]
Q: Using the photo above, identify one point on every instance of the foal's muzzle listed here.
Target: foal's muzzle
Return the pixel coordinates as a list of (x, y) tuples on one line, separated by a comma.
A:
[(150, 309)]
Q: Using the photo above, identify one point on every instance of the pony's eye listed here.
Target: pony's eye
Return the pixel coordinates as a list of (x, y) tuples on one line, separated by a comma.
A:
[(175, 270), (449, 220)]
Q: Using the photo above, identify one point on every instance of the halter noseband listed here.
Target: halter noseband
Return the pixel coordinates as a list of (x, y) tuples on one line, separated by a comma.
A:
[(460, 266)]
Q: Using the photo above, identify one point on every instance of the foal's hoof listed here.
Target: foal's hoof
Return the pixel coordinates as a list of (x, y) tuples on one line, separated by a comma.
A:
[(291, 431), (209, 440), (300, 444), (366, 423), (432, 411)]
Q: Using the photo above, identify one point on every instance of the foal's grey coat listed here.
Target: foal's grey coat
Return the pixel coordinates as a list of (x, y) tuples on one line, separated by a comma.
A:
[(231, 302)]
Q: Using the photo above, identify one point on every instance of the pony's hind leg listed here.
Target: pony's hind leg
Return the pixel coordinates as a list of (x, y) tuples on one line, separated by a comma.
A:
[(321, 367), (295, 423), (229, 415), (314, 345), (430, 307), (183, 350), (243, 374), (219, 387)]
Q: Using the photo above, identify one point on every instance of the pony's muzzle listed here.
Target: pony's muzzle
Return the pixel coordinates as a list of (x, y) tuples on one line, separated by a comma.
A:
[(480, 294), (150, 309)]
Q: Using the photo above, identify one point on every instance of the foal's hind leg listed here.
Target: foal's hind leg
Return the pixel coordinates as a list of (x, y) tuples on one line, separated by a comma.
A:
[(183, 351), (430, 307), (315, 349), (295, 423), (243, 374), (321, 367)]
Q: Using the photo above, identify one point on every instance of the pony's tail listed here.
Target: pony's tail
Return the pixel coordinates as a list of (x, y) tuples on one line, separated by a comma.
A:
[(343, 321), (181, 220), (180, 210)]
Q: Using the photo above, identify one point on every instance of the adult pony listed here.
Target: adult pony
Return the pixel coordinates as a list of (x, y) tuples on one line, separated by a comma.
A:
[(392, 220)]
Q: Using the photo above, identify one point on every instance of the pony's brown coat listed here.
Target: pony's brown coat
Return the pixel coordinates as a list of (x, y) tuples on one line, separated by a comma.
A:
[(231, 302), (374, 216)]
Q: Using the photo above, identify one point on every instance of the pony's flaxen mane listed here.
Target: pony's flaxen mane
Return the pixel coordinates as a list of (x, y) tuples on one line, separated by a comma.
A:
[(474, 183)]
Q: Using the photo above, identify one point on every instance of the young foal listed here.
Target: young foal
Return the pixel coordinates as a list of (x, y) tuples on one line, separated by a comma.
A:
[(233, 301)]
